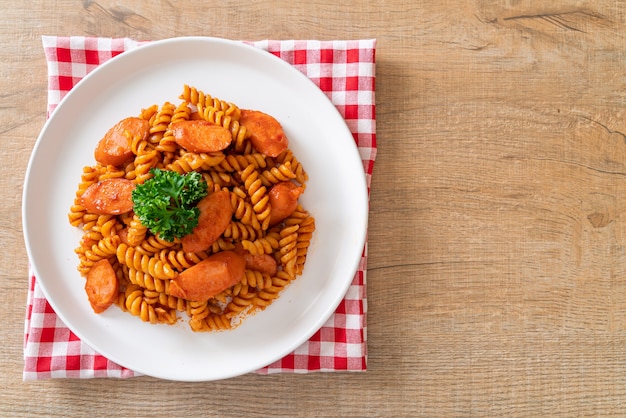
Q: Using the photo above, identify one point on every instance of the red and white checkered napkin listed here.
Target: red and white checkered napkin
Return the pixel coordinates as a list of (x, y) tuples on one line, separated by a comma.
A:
[(345, 71)]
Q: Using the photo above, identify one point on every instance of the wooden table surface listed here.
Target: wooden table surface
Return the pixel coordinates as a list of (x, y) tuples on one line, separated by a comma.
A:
[(497, 233)]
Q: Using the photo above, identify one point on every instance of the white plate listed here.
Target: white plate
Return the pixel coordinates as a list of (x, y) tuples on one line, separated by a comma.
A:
[(336, 195)]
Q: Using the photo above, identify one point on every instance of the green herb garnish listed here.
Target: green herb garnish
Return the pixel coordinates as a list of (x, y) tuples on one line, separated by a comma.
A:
[(166, 203)]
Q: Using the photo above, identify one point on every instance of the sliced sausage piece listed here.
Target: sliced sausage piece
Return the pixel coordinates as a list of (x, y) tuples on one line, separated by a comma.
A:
[(266, 133), (115, 147), (201, 136), (209, 277), (264, 263), (216, 212), (283, 199), (109, 196), (101, 286)]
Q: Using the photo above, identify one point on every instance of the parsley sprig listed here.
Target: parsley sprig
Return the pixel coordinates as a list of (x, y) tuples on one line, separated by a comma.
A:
[(165, 204)]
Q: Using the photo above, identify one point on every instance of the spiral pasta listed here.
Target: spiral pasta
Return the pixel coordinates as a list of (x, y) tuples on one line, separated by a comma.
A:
[(136, 232), (258, 194), (136, 302), (160, 121), (145, 265)]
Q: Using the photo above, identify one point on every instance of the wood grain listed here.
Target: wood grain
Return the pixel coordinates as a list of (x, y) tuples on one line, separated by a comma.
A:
[(497, 255)]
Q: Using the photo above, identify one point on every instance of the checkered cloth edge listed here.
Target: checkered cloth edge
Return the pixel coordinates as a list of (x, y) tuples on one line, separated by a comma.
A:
[(345, 71)]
